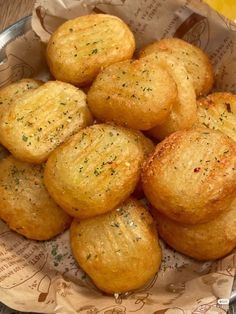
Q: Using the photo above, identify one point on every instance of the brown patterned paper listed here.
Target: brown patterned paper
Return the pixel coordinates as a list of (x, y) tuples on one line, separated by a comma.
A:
[(43, 276), (25, 58)]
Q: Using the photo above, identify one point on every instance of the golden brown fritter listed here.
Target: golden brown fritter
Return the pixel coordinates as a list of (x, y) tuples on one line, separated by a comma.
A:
[(25, 204), (119, 250), (79, 48), (191, 176)]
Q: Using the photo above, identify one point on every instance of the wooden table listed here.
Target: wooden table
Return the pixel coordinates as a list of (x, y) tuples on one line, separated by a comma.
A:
[(13, 10)]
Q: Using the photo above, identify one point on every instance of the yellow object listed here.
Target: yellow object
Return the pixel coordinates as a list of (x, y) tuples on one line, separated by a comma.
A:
[(226, 7)]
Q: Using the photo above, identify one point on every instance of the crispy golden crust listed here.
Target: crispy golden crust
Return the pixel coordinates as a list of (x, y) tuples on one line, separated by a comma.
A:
[(97, 169), (25, 204), (208, 241), (119, 250), (137, 94), (15, 90), (218, 112), (184, 111), (41, 119), (191, 176), (79, 48), (194, 59)]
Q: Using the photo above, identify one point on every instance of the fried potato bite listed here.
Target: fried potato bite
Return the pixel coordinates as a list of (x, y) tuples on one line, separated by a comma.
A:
[(207, 241), (79, 48), (191, 176), (218, 112), (97, 169), (184, 111), (119, 250), (37, 122), (136, 94), (15, 90), (194, 59), (25, 204)]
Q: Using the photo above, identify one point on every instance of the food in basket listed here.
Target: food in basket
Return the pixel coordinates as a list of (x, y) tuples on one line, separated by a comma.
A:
[(218, 112), (119, 250), (191, 176), (41, 119), (79, 48), (184, 110), (194, 59), (135, 93), (97, 169), (207, 241), (10, 93), (25, 204), (91, 171)]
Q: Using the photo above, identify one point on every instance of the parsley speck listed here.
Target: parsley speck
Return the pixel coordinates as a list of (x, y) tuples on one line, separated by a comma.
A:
[(94, 51), (24, 138)]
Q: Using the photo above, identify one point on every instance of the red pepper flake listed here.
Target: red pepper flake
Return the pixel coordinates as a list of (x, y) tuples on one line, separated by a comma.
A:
[(197, 169)]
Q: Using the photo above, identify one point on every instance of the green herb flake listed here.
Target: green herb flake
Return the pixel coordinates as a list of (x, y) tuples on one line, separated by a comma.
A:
[(115, 224), (24, 138), (97, 172), (94, 51)]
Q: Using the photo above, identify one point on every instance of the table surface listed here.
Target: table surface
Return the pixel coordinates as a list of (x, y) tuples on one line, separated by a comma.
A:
[(13, 10)]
